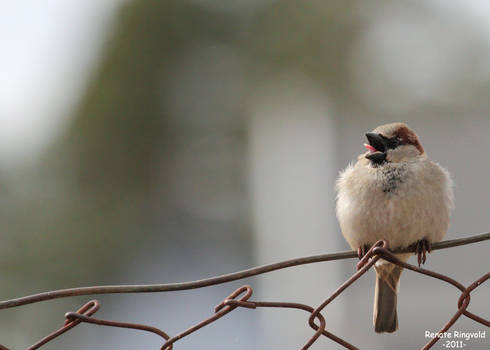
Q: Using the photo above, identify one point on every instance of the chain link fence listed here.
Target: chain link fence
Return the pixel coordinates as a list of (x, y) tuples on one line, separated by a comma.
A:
[(242, 297)]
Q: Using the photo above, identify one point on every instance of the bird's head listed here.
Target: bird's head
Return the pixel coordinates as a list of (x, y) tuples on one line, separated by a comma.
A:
[(392, 143)]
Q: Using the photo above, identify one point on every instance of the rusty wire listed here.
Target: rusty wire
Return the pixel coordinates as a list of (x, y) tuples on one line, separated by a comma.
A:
[(380, 250)]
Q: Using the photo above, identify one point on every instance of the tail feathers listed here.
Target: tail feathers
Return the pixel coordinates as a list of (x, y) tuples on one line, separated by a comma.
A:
[(385, 297)]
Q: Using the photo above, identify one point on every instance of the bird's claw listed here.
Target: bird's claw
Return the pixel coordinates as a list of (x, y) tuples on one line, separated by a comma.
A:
[(422, 247)]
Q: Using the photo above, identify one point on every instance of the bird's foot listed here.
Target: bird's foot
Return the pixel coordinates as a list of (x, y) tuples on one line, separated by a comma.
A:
[(422, 247), (362, 250)]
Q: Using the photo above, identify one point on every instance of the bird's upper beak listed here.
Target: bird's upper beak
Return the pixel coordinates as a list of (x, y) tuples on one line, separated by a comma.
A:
[(377, 147), (376, 142)]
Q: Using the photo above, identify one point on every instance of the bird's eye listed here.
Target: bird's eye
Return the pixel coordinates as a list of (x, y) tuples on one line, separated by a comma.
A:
[(394, 142)]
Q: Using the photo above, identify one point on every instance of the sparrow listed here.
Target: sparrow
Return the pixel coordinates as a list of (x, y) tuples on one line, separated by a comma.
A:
[(394, 192)]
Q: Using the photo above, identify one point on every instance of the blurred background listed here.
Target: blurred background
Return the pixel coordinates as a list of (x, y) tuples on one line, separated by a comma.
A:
[(166, 141)]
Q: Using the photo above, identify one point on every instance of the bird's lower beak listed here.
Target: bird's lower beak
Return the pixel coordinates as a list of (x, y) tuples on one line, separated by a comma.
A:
[(376, 157)]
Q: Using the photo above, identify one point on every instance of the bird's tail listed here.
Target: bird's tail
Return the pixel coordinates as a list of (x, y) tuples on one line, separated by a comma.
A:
[(387, 281)]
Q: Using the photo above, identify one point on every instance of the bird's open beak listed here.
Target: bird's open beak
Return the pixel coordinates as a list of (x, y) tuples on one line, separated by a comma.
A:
[(377, 147)]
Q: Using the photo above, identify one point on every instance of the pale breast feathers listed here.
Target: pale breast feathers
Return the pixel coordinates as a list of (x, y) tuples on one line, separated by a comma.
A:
[(400, 202)]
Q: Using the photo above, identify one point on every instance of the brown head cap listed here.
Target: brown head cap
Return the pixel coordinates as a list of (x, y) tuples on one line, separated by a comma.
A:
[(405, 135)]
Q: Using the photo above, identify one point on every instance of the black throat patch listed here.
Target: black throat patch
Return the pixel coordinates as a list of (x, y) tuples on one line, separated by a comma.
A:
[(392, 177)]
